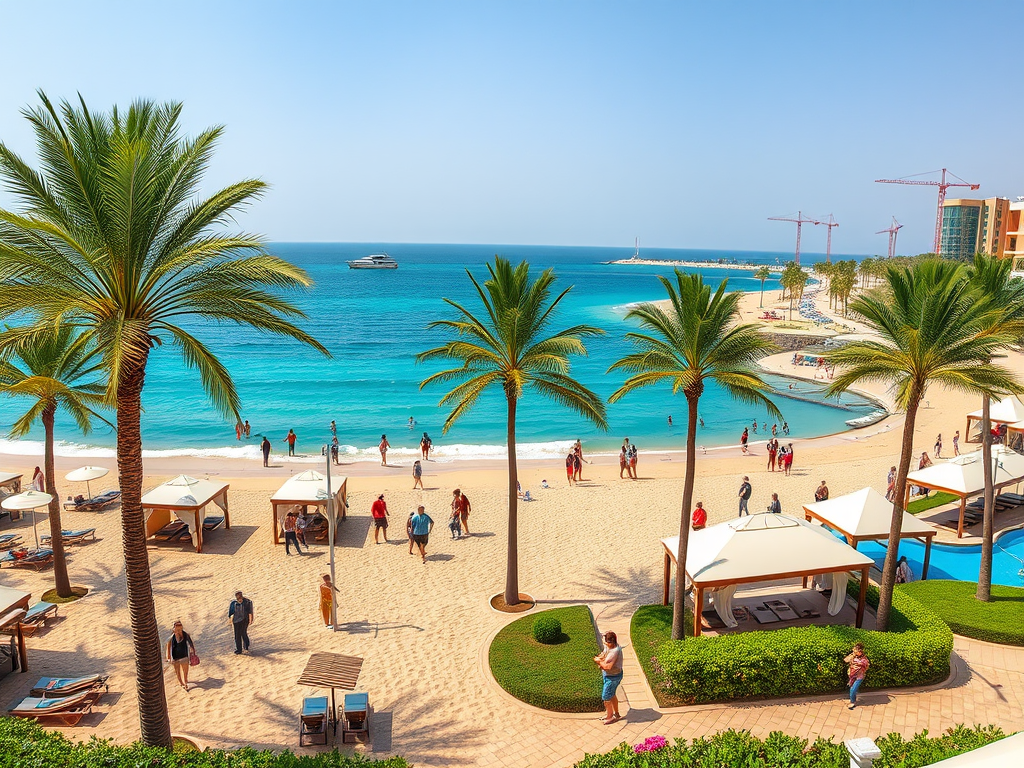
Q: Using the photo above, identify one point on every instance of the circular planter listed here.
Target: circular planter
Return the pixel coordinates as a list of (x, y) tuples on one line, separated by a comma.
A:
[(526, 603)]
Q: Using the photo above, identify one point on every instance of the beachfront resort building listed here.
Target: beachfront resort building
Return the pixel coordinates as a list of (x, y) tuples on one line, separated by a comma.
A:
[(1013, 238), (974, 226)]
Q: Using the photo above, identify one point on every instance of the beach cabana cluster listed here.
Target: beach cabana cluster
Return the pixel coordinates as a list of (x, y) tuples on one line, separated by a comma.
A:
[(866, 515), (186, 498), (1009, 411), (308, 489), (759, 548)]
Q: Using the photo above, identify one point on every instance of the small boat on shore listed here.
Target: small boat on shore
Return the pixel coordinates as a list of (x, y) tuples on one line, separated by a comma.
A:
[(867, 421), (374, 261)]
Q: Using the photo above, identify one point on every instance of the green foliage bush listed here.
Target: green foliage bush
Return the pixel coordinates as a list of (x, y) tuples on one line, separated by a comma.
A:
[(547, 629), (561, 677), (799, 661), (25, 744), (739, 748), (1000, 621)]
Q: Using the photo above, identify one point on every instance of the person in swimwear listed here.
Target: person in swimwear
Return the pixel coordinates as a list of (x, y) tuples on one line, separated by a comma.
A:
[(383, 448)]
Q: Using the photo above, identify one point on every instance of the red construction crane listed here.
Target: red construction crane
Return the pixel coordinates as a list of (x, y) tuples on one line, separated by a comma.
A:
[(943, 185), (799, 220), (828, 245), (892, 231)]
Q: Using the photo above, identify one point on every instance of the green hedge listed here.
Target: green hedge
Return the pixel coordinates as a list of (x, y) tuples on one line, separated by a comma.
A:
[(561, 677), (1000, 621), (24, 744), (800, 661), (732, 748)]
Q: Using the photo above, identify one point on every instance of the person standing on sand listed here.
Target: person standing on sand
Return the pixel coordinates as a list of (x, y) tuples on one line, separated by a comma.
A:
[(417, 475), (334, 451), (821, 492), (290, 438), (773, 449), (380, 514), (577, 451), (632, 460), (743, 440), (610, 662), (242, 615), (623, 461), (383, 448), (421, 525), (290, 521), (856, 672), (301, 521), (327, 592), (38, 480), (789, 459), (265, 446), (408, 530), (425, 443), (890, 485), (938, 446), (247, 428), (460, 503), (179, 646), (570, 467), (745, 491), (699, 518), (956, 443)]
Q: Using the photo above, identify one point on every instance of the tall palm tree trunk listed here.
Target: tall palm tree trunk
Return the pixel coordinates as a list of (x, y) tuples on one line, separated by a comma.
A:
[(679, 605), (761, 303), (60, 563), (985, 570), (512, 565), (149, 678), (896, 526)]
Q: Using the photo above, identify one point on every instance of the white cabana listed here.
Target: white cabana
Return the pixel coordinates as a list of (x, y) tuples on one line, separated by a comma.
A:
[(308, 489), (1008, 411), (10, 482), (964, 476), (13, 606), (763, 547), (186, 497), (867, 515)]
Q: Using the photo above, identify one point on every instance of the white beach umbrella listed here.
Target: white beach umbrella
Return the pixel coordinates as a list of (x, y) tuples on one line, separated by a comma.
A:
[(85, 474), (22, 502)]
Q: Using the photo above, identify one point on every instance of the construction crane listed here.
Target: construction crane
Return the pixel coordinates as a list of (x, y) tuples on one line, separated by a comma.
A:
[(831, 222), (799, 220), (943, 185), (892, 231)]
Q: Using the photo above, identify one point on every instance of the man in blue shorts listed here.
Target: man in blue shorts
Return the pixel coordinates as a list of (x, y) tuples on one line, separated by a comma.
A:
[(421, 525)]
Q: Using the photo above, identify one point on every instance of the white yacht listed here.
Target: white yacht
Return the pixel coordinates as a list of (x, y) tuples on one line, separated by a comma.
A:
[(375, 261)]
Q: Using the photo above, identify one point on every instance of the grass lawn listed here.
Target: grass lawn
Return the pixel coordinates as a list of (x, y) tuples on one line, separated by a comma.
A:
[(1001, 621), (561, 677), (650, 627), (937, 499)]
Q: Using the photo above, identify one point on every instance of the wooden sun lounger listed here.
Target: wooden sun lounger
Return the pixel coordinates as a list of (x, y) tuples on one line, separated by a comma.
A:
[(780, 609), (171, 531), (313, 720), (57, 687), (95, 504), (35, 618), (762, 614), (9, 541), (68, 710), (38, 559), (72, 537)]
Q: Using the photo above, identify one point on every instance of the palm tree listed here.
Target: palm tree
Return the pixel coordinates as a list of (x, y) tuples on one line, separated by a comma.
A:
[(932, 329), (114, 238), (57, 371), (695, 341), (511, 347), (990, 277), (762, 274)]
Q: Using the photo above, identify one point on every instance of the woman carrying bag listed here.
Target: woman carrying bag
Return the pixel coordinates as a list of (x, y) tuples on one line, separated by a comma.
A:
[(181, 652)]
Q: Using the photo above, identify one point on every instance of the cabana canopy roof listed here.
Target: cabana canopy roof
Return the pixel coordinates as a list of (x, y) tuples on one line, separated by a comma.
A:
[(761, 548), (183, 492), (307, 487), (865, 514), (11, 599), (1009, 410), (964, 475), (7, 477)]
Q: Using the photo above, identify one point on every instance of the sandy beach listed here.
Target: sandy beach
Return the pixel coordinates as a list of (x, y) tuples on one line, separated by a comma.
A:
[(422, 629)]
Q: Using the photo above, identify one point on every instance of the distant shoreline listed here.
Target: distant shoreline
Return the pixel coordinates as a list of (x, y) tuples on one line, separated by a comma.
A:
[(697, 264)]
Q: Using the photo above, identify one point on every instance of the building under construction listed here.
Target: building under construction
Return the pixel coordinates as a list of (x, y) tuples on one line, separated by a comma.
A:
[(975, 226)]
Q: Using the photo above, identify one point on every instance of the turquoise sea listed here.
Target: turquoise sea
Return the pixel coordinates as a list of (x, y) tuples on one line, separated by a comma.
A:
[(374, 323)]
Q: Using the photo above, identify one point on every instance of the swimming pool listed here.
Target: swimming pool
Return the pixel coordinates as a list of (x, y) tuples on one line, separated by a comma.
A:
[(961, 563)]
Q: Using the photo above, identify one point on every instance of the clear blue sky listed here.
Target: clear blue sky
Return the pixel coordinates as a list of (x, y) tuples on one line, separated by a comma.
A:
[(575, 123)]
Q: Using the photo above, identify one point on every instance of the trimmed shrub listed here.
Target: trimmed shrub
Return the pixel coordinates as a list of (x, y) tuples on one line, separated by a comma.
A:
[(561, 677), (25, 744), (739, 748), (800, 661), (547, 629)]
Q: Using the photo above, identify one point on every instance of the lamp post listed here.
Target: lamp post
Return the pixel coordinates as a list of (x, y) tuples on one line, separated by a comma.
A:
[(332, 525)]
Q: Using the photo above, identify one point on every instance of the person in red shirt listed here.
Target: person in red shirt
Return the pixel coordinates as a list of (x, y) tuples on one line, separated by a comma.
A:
[(379, 510), (699, 518)]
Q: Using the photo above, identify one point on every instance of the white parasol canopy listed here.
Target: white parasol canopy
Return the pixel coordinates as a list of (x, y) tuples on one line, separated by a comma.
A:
[(865, 514), (26, 500), (965, 474), (85, 475), (1007, 411)]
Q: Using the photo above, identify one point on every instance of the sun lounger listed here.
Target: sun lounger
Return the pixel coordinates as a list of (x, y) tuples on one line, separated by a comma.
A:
[(57, 687), (73, 537), (804, 609), (95, 504), (711, 620), (171, 531), (780, 609), (313, 720), (211, 523), (740, 613), (37, 558), (68, 710), (35, 618), (355, 711), (9, 541), (762, 614)]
